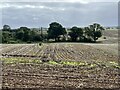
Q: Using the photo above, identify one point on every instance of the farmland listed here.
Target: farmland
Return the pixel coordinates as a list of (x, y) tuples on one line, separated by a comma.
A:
[(61, 65)]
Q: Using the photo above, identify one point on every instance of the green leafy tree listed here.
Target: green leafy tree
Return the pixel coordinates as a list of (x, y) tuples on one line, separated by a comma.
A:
[(6, 36), (6, 28), (20, 34), (23, 33), (93, 32), (38, 37), (55, 30), (75, 32), (87, 33)]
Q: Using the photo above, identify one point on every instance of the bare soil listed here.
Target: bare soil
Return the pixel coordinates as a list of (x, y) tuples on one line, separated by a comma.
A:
[(44, 76), (49, 76)]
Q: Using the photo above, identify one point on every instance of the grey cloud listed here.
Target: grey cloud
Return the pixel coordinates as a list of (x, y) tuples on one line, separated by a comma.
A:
[(66, 13)]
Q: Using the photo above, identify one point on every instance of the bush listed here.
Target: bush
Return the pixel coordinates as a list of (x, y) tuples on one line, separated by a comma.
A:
[(40, 44), (104, 37)]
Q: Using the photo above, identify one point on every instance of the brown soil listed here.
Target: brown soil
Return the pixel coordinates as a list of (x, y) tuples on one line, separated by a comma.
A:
[(47, 76), (62, 77)]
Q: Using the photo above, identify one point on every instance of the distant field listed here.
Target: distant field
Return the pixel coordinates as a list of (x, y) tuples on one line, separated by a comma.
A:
[(62, 65), (110, 44), (111, 36)]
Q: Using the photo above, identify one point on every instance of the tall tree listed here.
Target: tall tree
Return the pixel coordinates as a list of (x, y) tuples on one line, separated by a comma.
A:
[(6, 28), (23, 33), (94, 31), (55, 30), (6, 36), (75, 32)]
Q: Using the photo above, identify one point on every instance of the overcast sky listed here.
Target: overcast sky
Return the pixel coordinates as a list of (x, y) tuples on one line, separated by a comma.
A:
[(37, 14)]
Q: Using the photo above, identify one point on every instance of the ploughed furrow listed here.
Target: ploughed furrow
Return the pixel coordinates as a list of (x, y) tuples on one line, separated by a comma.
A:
[(75, 66), (29, 50), (37, 75), (35, 49), (22, 51), (57, 52), (17, 51), (9, 48), (3, 47), (40, 52), (61, 53), (85, 52), (69, 52), (66, 55)]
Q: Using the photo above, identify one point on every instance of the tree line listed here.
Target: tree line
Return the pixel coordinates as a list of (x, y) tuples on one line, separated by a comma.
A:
[(56, 32)]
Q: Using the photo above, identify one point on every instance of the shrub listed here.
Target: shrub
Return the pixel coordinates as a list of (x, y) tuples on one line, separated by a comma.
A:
[(40, 44), (104, 37)]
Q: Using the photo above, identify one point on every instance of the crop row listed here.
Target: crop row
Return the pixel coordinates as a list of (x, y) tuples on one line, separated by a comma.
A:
[(58, 52), (41, 75)]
